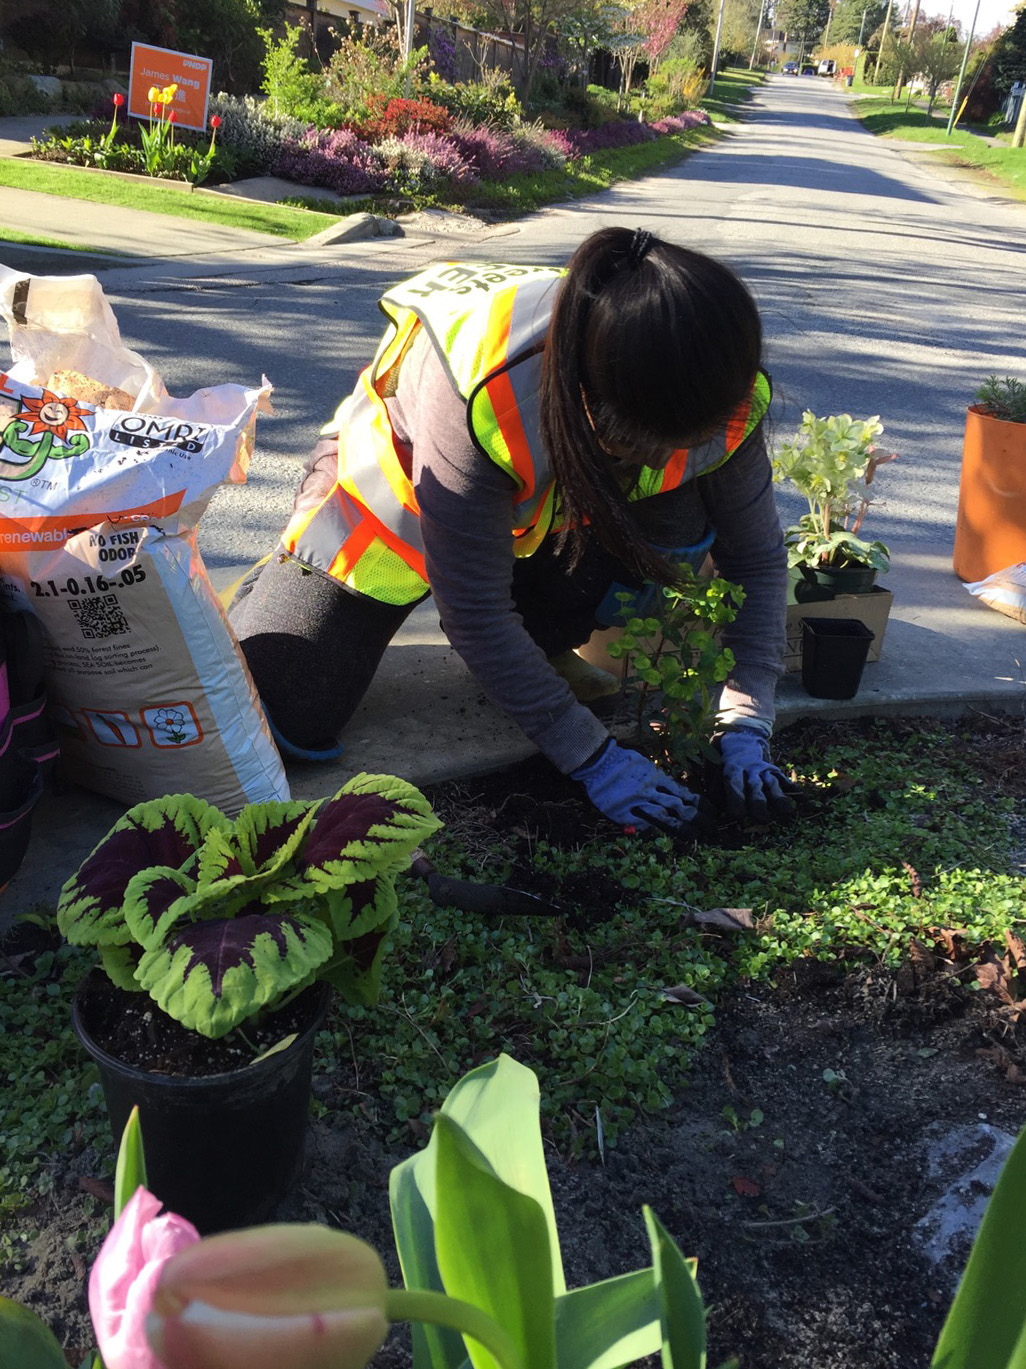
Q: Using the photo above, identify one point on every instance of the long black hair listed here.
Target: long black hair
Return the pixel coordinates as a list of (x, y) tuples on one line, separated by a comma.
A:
[(650, 346)]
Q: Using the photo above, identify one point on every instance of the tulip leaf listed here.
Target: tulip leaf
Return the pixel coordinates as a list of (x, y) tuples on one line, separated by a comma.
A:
[(608, 1324), (411, 1196), (492, 1243), (986, 1326), (497, 1107), (26, 1340), (130, 1172), (681, 1310)]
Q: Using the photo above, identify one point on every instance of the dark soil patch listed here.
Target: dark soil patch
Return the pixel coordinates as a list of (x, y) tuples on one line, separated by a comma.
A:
[(796, 1165)]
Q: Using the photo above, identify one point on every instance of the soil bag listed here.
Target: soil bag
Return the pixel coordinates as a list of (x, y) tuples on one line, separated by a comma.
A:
[(103, 478), (1005, 590)]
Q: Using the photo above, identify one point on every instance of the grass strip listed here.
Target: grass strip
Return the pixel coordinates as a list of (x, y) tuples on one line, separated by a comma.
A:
[(1006, 164), (79, 183)]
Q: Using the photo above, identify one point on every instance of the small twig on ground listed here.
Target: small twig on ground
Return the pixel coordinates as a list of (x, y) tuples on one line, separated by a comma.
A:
[(762, 1224)]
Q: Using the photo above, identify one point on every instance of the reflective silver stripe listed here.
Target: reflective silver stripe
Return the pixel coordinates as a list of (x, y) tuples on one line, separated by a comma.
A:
[(328, 531)]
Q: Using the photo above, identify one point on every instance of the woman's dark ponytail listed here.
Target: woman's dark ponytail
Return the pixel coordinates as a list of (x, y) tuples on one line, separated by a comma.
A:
[(649, 344)]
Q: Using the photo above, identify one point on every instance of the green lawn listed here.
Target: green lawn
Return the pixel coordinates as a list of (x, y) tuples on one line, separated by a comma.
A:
[(78, 183), (1004, 163)]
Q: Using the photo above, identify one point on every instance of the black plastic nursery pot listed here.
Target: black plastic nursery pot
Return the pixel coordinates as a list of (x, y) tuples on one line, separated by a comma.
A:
[(222, 1149), (812, 583), (834, 652)]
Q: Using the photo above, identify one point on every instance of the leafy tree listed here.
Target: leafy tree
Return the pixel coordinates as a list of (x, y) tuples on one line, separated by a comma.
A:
[(51, 34), (847, 24), (737, 36), (228, 32), (1009, 61), (590, 28), (803, 20)]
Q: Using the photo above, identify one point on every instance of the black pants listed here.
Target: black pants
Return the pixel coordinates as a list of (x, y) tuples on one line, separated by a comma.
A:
[(313, 646)]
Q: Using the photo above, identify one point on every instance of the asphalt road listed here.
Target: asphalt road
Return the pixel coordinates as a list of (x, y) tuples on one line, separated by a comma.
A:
[(886, 288)]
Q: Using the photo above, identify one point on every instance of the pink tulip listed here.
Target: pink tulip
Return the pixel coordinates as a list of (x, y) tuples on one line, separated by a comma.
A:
[(302, 1296), (125, 1274)]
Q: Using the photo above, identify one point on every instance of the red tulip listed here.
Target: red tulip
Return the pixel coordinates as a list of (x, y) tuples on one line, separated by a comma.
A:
[(215, 121), (171, 117), (119, 100)]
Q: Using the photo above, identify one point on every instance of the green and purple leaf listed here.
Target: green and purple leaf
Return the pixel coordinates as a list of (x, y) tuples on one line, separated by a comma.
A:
[(165, 833), (368, 828), (211, 976)]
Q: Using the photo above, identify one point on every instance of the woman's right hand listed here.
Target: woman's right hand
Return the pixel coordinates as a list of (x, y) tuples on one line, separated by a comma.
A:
[(631, 790)]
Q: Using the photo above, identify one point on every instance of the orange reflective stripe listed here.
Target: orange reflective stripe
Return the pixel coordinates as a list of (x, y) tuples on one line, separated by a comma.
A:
[(737, 424), (351, 550), (673, 471)]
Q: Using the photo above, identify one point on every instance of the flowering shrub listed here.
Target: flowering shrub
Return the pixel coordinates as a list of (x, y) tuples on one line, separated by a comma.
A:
[(618, 133), (680, 123), (442, 51), (497, 153), (256, 137), (421, 162), (336, 160), (392, 117)]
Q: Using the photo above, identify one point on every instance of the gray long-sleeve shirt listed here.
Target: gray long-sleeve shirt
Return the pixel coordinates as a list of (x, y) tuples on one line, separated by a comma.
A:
[(465, 508)]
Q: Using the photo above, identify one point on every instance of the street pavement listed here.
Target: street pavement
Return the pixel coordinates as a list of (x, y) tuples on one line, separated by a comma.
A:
[(887, 285)]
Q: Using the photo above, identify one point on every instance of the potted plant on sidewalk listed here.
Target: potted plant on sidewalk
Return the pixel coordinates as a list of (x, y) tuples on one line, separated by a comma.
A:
[(833, 568), (218, 940), (990, 528)]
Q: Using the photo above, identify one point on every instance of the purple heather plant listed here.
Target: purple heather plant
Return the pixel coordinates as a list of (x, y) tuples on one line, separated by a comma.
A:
[(444, 154), (680, 123), (496, 153), (335, 159)]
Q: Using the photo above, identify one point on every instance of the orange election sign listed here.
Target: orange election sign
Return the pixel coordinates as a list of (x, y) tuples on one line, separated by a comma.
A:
[(161, 67)]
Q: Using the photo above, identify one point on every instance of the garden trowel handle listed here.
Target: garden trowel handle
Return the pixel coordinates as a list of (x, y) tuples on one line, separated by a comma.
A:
[(489, 900)]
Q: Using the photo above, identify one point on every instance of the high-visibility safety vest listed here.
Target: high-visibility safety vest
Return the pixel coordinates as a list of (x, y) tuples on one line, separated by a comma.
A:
[(488, 323)]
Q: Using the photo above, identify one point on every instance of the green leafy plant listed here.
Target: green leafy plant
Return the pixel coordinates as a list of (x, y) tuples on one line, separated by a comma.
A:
[(1003, 398), (832, 462), (675, 663), (158, 140), (473, 1219), (218, 920)]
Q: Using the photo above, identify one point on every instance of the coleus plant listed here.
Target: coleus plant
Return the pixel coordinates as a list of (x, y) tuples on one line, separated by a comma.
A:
[(219, 919)]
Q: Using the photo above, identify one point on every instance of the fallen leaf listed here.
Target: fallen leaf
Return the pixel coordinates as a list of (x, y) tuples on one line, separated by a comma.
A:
[(727, 919), (745, 1188), (1016, 949), (99, 1188), (913, 877), (680, 993)]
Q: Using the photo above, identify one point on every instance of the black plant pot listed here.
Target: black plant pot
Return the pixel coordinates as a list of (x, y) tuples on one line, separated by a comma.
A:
[(221, 1149), (814, 583), (834, 652)]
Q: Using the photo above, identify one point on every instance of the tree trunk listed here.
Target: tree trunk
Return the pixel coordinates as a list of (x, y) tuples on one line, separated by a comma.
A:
[(1019, 136)]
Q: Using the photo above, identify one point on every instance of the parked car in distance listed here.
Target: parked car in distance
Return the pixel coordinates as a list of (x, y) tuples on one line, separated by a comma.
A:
[(827, 67), (789, 69), (808, 68)]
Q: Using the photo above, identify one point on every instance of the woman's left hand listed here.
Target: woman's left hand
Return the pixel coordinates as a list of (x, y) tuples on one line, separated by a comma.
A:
[(753, 787)]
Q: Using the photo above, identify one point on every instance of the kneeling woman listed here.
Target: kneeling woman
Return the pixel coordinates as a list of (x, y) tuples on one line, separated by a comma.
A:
[(526, 443)]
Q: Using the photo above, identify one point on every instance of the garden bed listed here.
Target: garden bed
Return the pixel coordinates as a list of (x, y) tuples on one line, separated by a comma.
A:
[(792, 1157)]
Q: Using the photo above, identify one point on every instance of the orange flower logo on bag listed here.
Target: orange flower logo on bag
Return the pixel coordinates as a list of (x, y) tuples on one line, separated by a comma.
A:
[(45, 428)]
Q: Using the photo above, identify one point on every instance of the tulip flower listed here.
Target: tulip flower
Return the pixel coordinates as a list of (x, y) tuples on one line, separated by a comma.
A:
[(153, 95), (119, 100), (125, 1274), (305, 1296)]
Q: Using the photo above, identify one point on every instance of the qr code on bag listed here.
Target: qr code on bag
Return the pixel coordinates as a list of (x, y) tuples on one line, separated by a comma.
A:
[(100, 617)]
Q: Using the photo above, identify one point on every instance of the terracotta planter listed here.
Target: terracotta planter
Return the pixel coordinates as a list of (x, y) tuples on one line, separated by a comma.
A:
[(990, 530), (221, 1149)]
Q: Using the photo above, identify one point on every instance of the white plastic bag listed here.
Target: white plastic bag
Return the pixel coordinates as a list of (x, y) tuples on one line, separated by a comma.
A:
[(98, 509), (1005, 591)]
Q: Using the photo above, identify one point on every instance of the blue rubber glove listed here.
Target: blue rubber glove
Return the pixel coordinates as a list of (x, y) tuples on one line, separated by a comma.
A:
[(631, 790), (753, 787)]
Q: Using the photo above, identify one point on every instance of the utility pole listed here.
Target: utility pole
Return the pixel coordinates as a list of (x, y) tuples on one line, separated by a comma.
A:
[(862, 26), (411, 19), (883, 39), (961, 75), (1019, 136), (758, 31), (716, 48)]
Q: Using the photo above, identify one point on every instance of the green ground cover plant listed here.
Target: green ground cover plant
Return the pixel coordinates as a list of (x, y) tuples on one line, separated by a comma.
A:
[(900, 842)]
